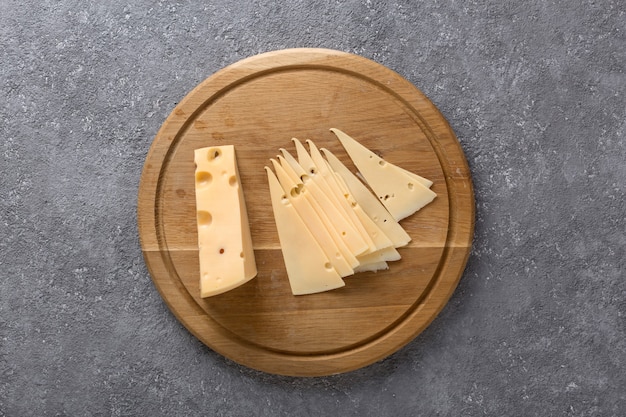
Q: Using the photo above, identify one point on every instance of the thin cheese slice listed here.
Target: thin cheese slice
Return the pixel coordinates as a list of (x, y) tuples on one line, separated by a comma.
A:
[(224, 240), (333, 249), (372, 266), (353, 239), (368, 202), (287, 177), (308, 268), (380, 239), (400, 193), (425, 182), (325, 175)]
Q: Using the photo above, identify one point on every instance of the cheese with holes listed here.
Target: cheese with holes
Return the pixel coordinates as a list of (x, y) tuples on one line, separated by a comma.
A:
[(325, 175), (308, 268), (332, 245), (337, 219), (368, 202), (224, 240), (400, 193)]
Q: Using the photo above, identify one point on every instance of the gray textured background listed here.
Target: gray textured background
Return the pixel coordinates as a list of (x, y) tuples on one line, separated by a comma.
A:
[(535, 92)]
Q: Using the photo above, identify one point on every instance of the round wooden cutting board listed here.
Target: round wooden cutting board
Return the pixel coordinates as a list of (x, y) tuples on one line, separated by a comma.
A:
[(258, 105)]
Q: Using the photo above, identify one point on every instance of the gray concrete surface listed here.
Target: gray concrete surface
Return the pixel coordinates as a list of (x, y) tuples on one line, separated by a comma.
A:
[(535, 92)]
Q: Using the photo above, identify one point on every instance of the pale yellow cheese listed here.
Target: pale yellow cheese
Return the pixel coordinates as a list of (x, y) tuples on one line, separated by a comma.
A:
[(378, 237), (425, 182), (224, 241), (325, 177), (337, 219), (399, 192), (368, 202), (308, 268), (334, 249), (372, 266), (286, 178)]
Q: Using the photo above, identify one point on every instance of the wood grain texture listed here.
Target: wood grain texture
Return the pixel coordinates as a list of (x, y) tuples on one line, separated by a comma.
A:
[(258, 105)]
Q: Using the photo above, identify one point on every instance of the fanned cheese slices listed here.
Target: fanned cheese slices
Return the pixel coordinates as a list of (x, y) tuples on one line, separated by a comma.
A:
[(308, 268), (329, 223)]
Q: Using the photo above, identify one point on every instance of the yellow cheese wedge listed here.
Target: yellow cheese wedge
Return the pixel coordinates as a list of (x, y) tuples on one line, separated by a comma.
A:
[(308, 268), (368, 202), (400, 193), (224, 240)]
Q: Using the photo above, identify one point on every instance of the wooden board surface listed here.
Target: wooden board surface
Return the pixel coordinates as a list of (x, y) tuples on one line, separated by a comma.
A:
[(258, 105)]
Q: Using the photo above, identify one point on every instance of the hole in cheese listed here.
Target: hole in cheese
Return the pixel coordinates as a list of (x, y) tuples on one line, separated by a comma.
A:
[(327, 265), (203, 178), (204, 218), (221, 251), (296, 190), (241, 254), (304, 178), (410, 185), (382, 162), (214, 154), (232, 181)]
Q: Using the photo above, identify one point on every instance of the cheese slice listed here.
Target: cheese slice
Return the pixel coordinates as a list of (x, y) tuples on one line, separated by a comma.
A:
[(224, 240), (372, 266), (333, 248), (325, 176), (378, 237), (425, 182), (286, 177), (400, 193), (308, 268), (337, 219), (368, 202)]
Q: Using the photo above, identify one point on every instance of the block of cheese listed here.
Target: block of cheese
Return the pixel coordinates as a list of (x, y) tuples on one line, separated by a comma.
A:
[(224, 240), (400, 193), (368, 202), (308, 268)]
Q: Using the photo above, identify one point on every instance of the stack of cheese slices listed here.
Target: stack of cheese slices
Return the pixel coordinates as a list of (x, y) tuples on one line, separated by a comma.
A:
[(330, 224)]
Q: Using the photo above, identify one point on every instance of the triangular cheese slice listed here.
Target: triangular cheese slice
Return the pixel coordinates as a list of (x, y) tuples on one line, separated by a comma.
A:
[(368, 202), (400, 193), (332, 247), (321, 175), (337, 218), (308, 268)]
